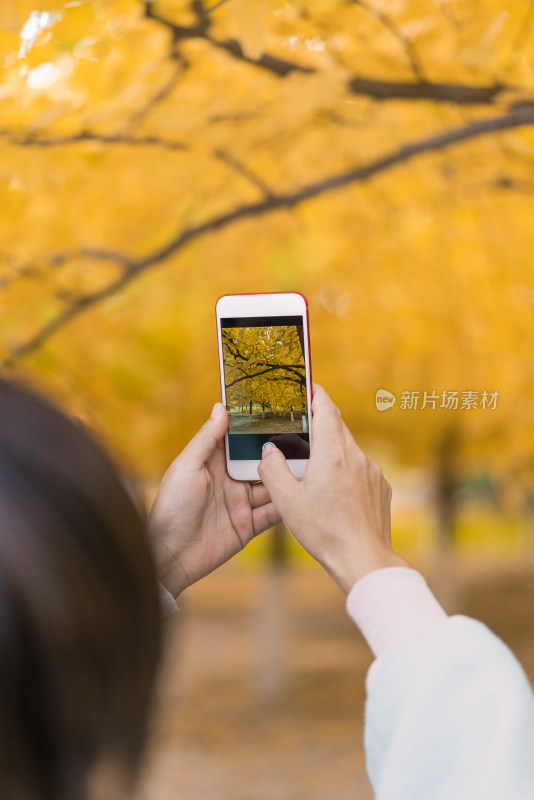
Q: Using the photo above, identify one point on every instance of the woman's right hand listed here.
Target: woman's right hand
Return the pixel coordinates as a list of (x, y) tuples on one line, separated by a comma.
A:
[(340, 511)]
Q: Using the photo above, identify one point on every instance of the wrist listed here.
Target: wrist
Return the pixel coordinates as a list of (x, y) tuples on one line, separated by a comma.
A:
[(169, 570), (348, 570), (173, 578)]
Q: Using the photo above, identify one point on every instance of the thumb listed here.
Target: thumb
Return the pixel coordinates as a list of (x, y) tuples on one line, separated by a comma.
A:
[(203, 445), (277, 477)]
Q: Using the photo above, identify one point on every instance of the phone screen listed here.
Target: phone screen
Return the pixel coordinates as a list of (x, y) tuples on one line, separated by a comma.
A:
[(265, 379)]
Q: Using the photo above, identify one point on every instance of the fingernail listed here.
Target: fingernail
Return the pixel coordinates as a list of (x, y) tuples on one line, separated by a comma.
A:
[(267, 448), (216, 410)]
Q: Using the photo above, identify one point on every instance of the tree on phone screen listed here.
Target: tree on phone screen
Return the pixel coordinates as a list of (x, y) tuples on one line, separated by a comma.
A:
[(264, 366)]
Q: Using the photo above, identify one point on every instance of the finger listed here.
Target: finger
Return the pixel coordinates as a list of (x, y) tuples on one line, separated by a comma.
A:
[(277, 477), (203, 445), (327, 422), (259, 495), (264, 518), (349, 438)]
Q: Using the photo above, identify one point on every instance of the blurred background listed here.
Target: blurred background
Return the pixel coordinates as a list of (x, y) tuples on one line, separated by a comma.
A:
[(375, 155)]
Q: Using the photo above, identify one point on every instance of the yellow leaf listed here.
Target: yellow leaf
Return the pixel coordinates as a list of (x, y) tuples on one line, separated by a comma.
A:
[(249, 25)]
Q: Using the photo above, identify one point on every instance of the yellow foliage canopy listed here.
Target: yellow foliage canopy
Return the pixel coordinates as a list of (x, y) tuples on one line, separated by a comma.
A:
[(377, 156), (265, 365)]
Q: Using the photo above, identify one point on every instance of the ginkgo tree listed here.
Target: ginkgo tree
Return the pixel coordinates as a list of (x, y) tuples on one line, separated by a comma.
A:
[(375, 155), (265, 365)]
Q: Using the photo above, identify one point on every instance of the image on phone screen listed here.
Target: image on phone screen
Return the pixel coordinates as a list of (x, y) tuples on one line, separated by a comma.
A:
[(265, 385)]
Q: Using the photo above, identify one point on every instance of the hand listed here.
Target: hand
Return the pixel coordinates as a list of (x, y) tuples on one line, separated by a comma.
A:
[(340, 511), (201, 517)]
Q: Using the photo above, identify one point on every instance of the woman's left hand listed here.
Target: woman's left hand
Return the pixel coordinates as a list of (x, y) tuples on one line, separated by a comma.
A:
[(201, 517)]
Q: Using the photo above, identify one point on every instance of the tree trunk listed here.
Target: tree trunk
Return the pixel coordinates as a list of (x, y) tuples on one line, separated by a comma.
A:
[(250, 413), (445, 497), (271, 623), (263, 410), (278, 556), (445, 583)]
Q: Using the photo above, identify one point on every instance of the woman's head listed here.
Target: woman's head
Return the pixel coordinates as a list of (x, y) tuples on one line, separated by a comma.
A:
[(79, 616)]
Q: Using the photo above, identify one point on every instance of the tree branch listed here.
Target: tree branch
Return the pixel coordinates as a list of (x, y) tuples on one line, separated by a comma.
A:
[(161, 94), (65, 316), (23, 271), (215, 6), (241, 169), (404, 41), (278, 66), (236, 353), (458, 93), (519, 116), (300, 380), (461, 94), (254, 375), (200, 30), (232, 347), (197, 30), (98, 254), (88, 136)]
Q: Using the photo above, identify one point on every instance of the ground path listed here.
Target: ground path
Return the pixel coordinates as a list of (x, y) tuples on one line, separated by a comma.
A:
[(273, 423), (220, 736)]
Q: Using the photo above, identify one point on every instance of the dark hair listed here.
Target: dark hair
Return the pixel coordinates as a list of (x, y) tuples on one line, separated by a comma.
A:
[(79, 617)]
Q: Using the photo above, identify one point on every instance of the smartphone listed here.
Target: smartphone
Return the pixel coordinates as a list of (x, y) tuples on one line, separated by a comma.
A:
[(264, 356)]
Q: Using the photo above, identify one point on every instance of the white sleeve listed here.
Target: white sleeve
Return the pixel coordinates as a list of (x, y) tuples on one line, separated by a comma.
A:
[(449, 712), (389, 605), (450, 715), (167, 603)]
